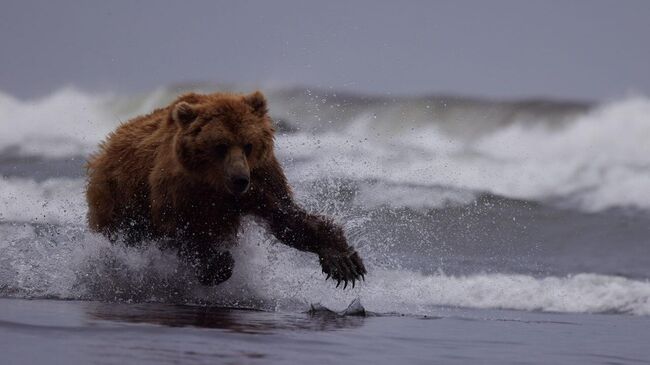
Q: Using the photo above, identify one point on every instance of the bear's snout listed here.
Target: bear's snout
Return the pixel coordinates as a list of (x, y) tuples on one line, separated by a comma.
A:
[(237, 171), (239, 184)]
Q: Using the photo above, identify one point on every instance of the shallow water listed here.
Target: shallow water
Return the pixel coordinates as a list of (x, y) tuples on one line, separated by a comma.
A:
[(113, 333), (494, 232)]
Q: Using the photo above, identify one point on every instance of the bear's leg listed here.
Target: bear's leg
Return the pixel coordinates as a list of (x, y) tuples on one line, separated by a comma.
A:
[(211, 266), (101, 205), (270, 198), (217, 269), (114, 216), (297, 228)]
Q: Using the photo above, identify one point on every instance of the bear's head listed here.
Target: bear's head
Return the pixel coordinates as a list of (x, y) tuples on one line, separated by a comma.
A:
[(220, 138)]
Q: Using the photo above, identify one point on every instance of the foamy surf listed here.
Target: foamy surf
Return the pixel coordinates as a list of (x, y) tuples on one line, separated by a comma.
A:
[(70, 263)]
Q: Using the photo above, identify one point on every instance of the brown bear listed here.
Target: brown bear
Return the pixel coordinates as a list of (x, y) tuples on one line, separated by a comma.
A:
[(186, 173)]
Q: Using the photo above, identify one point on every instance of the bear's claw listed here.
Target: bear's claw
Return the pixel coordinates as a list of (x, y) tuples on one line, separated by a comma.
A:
[(344, 266)]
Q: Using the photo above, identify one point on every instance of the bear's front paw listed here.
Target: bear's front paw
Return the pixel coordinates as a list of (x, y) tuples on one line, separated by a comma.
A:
[(342, 265)]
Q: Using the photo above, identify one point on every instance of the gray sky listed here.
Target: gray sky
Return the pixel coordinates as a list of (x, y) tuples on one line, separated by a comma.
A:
[(577, 49)]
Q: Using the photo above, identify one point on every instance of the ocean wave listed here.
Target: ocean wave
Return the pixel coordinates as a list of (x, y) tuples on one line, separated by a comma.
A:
[(598, 161), (52, 201), (67, 123), (588, 157), (70, 263)]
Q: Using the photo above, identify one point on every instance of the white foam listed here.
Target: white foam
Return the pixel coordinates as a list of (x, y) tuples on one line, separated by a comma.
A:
[(580, 293), (65, 123), (277, 274), (600, 160), (54, 201), (273, 277)]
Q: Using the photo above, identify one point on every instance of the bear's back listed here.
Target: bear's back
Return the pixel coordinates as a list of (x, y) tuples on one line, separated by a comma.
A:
[(133, 142)]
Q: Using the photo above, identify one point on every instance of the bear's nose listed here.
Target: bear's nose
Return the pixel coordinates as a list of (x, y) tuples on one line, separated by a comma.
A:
[(240, 184)]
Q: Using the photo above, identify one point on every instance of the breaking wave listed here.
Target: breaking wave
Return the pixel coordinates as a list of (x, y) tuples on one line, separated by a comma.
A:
[(70, 263), (588, 157)]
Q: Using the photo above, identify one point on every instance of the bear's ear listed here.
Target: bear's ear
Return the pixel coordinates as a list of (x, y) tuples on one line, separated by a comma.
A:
[(183, 113), (257, 102)]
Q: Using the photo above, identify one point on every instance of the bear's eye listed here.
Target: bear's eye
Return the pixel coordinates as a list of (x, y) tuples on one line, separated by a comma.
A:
[(221, 149), (248, 148)]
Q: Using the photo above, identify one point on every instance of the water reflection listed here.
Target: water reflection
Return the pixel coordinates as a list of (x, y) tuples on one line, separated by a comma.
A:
[(229, 319)]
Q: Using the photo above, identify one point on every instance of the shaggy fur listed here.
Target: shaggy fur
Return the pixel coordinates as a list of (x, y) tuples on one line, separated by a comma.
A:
[(189, 171)]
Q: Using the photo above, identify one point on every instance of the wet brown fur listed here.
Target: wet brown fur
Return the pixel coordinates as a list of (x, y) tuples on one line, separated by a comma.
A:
[(168, 174)]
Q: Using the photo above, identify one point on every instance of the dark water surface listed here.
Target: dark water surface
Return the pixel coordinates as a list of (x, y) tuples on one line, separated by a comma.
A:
[(73, 332)]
